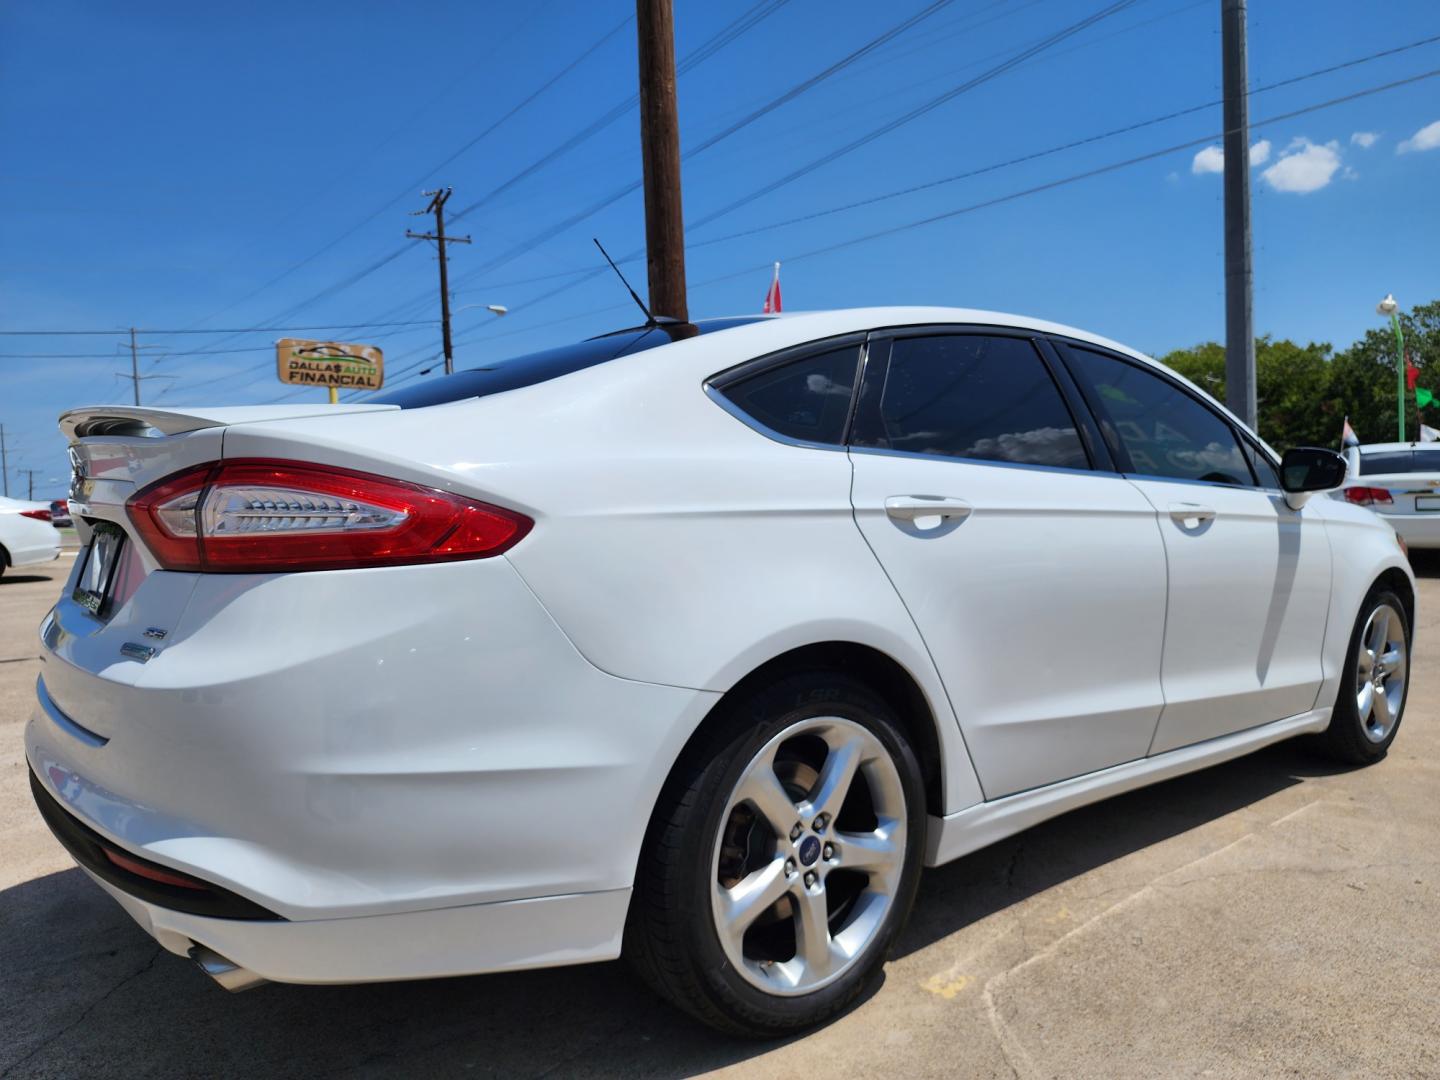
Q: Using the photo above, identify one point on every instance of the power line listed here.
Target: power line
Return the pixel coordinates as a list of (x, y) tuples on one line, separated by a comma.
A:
[(340, 176), (1073, 144), (1012, 61), (731, 32), (796, 91), (583, 276), (241, 330), (748, 20), (918, 111), (997, 200)]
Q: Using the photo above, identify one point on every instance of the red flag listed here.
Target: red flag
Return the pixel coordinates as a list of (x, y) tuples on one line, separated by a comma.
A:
[(772, 294), (1412, 373)]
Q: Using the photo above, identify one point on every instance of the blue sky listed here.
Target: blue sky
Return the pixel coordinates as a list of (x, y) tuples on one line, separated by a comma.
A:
[(214, 168)]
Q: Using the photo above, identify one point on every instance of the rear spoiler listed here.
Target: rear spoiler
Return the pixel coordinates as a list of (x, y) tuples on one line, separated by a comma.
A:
[(133, 420)]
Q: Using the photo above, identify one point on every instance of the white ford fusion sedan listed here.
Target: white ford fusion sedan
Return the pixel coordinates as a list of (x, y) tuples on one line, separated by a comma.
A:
[(690, 642)]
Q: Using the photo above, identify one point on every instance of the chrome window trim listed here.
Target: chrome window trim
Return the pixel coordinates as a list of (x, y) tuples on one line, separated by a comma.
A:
[(883, 451)]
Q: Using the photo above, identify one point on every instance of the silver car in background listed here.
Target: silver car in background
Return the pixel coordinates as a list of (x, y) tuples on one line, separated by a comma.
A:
[(1401, 483)]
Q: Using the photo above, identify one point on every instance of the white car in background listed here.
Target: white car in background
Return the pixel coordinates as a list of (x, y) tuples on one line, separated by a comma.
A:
[(27, 536), (691, 642), (1401, 483)]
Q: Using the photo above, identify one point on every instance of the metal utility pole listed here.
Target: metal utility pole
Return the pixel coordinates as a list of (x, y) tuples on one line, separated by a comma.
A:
[(660, 153), (4, 464), (438, 199), (30, 482), (1239, 275)]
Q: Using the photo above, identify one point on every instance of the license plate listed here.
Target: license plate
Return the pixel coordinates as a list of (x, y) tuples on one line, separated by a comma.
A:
[(1427, 502), (93, 589)]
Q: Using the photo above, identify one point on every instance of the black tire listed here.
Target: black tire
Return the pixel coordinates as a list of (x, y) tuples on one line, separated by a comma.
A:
[(671, 939), (1346, 739)]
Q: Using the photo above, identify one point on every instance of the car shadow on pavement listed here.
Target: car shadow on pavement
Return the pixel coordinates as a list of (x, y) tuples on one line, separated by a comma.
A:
[(83, 990), (12, 578), (1425, 564)]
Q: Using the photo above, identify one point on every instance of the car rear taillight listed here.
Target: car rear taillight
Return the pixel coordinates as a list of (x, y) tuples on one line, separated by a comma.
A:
[(38, 515), (1368, 496), (262, 516)]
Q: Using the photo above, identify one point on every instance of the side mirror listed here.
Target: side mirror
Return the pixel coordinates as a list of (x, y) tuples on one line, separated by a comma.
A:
[(1305, 470)]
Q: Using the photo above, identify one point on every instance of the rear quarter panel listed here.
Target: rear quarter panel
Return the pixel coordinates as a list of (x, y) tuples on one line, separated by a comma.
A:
[(672, 543)]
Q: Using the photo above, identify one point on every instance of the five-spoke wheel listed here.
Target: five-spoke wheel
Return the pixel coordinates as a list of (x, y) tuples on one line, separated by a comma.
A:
[(1380, 671), (808, 855), (783, 857), (1372, 696)]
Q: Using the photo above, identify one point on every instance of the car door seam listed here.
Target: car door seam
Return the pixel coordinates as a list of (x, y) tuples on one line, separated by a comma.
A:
[(944, 687)]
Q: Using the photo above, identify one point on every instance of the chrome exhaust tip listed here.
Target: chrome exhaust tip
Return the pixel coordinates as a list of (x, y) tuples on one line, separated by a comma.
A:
[(226, 972)]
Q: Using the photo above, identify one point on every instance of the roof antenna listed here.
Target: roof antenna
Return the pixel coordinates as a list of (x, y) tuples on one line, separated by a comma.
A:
[(650, 320)]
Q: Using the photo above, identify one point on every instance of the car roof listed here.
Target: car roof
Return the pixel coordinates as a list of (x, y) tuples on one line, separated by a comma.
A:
[(1399, 447)]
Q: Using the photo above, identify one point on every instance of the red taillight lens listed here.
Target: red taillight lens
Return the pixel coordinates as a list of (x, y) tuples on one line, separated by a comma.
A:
[(1367, 496), (38, 515), (260, 516)]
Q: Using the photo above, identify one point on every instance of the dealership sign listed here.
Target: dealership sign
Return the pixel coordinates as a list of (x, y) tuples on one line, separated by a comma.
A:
[(330, 364)]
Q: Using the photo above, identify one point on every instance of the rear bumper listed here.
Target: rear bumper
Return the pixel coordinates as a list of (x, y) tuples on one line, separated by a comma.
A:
[(1417, 530), (506, 936), (405, 766)]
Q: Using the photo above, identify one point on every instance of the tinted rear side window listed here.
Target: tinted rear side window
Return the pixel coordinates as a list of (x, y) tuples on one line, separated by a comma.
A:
[(972, 396), (1165, 431), (1399, 461), (807, 399)]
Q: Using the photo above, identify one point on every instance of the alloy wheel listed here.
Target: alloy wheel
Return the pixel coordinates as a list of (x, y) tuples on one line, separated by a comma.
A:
[(1382, 665), (809, 855)]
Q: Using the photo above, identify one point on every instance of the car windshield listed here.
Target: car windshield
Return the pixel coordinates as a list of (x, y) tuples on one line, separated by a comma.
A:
[(538, 367)]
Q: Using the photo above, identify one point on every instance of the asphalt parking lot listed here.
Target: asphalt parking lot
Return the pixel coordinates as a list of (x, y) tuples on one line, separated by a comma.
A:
[(1275, 916)]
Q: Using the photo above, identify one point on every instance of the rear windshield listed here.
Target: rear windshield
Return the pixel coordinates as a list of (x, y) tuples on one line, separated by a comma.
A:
[(1391, 462), (538, 367)]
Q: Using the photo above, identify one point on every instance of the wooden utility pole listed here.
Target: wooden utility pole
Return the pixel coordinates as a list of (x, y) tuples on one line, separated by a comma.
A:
[(4, 464), (30, 482), (134, 366), (660, 153), (438, 199), (1239, 275)]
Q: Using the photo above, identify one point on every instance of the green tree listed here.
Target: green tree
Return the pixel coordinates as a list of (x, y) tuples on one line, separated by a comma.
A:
[(1364, 376), (1291, 384), (1304, 394)]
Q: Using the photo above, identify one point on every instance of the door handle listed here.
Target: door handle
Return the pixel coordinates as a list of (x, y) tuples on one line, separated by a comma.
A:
[(910, 507), (1183, 512)]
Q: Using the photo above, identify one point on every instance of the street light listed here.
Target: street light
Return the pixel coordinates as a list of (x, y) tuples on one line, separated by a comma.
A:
[(1388, 307), (495, 309)]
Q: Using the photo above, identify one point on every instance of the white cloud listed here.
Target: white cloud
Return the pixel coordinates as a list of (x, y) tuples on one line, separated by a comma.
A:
[(1209, 160), (1212, 158), (1304, 167), (1427, 138), (1365, 139)]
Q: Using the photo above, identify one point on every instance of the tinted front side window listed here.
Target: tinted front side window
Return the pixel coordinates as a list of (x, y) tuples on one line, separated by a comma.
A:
[(1265, 472), (1165, 431), (805, 399), (971, 396)]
